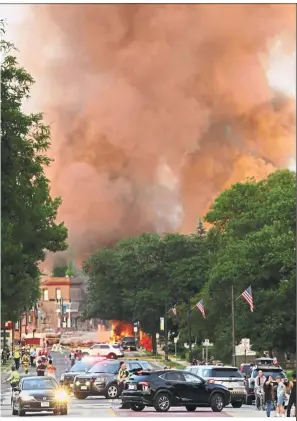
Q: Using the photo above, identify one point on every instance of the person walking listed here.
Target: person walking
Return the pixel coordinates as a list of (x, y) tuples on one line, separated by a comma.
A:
[(72, 358), (259, 388), (280, 394), (16, 357), (41, 367), (269, 395), (33, 354), (123, 376), (292, 390), (51, 369), (25, 363)]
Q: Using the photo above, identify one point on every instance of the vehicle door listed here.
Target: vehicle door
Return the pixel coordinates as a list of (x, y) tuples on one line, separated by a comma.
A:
[(95, 350), (104, 350), (181, 389), (196, 389)]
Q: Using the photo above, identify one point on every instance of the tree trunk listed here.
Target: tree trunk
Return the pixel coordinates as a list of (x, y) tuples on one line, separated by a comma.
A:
[(154, 343)]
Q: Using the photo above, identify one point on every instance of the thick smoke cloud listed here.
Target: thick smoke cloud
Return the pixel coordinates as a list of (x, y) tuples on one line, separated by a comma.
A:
[(155, 109)]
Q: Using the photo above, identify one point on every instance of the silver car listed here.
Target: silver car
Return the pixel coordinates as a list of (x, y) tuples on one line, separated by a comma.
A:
[(226, 376)]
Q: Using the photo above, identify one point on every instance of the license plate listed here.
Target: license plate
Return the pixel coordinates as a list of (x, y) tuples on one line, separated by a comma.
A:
[(131, 387), (83, 387), (44, 404), (71, 384)]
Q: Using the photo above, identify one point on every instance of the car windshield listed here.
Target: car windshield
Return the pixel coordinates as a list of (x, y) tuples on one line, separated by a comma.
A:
[(81, 366), (226, 372), (115, 346), (104, 368), (39, 384), (128, 338), (272, 373)]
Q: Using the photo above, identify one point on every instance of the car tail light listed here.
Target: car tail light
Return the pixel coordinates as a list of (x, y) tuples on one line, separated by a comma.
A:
[(211, 381), (145, 385)]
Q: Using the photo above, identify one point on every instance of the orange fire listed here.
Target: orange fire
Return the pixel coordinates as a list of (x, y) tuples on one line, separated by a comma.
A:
[(121, 329)]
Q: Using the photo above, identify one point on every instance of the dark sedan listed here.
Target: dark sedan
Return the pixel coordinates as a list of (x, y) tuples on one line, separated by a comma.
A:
[(101, 379), (39, 394), (67, 378), (165, 388)]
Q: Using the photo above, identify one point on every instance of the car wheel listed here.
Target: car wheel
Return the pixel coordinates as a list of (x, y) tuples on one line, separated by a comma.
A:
[(191, 408), (137, 408), (162, 402), (112, 356), (237, 404), (80, 395), (112, 392), (217, 402)]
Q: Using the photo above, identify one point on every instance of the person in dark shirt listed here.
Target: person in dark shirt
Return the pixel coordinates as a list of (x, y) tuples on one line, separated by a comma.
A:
[(41, 367), (269, 395), (292, 391)]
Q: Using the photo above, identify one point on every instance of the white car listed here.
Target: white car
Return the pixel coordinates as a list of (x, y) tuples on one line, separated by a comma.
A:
[(104, 350)]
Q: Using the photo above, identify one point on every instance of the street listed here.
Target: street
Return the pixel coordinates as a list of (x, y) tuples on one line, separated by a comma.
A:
[(99, 406)]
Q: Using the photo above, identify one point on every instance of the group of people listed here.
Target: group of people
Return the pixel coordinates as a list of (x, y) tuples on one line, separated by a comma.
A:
[(75, 355), (275, 394)]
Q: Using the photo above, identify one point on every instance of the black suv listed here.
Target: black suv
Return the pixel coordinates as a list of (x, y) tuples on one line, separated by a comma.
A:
[(67, 378), (165, 388), (129, 342), (101, 379)]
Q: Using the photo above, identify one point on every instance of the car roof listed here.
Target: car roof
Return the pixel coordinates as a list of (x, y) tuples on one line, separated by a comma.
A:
[(217, 367), (267, 367)]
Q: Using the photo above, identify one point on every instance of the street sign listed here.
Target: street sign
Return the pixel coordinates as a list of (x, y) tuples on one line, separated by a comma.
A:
[(135, 329), (175, 340), (245, 342), (206, 341), (162, 324), (157, 335), (207, 344)]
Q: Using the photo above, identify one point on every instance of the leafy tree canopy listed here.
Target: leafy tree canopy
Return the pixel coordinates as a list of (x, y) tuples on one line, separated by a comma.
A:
[(28, 211)]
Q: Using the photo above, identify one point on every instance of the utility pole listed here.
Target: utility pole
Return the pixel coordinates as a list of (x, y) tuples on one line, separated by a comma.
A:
[(166, 329), (190, 330), (233, 328)]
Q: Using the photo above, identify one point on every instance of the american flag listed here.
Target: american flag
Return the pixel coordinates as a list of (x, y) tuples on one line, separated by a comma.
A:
[(247, 295), (200, 307)]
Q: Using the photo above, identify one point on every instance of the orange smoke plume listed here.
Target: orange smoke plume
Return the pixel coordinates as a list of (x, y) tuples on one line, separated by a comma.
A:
[(155, 109)]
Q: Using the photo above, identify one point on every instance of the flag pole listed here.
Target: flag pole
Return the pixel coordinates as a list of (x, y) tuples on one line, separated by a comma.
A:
[(166, 329), (190, 330), (233, 327)]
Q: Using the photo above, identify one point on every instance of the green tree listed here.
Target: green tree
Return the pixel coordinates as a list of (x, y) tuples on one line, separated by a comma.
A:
[(28, 211)]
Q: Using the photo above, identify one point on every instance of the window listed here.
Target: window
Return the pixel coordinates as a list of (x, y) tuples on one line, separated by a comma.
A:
[(104, 346), (58, 294), (191, 379), (45, 295), (135, 366), (226, 372), (104, 368), (39, 384), (204, 372), (173, 376)]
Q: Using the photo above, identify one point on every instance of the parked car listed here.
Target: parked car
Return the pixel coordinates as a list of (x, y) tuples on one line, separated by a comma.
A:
[(163, 389), (129, 342), (39, 394), (226, 376), (111, 351), (67, 378), (101, 379), (268, 370)]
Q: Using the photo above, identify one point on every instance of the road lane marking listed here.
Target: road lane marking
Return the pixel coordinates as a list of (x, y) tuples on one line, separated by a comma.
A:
[(112, 413)]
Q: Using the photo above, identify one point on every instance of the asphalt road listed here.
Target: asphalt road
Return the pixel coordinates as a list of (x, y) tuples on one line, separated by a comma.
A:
[(101, 407)]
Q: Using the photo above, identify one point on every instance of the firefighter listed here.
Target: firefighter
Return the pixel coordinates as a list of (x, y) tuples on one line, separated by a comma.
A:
[(16, 357), (25, 362)]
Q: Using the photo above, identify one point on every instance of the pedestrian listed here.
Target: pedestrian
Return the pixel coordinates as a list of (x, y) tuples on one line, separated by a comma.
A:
[(41, 367), (269, 395), (25, 363), (123, 376), (79, 355), (72, 358), (51, 369), (280, 394), (32, 356), (16, 357), (259, 387), (292, 390)]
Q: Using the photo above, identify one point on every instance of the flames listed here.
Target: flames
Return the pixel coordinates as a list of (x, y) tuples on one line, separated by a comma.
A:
[(121, 329)]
